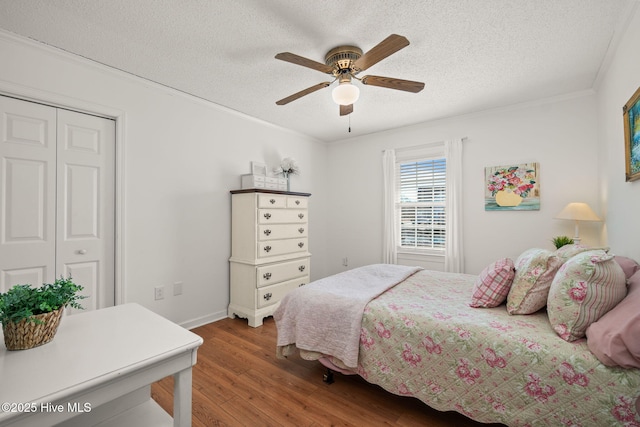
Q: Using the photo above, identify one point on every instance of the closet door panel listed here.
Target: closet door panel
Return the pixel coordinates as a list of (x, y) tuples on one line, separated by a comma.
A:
[(86, 208), (88, 274), (27, 193)]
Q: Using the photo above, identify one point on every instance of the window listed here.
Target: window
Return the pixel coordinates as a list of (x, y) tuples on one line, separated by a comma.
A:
[(421, 192)]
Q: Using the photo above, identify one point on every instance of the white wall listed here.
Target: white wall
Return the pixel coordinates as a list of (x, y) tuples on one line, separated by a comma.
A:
[(621, 198), (182, 156), (560, 134)]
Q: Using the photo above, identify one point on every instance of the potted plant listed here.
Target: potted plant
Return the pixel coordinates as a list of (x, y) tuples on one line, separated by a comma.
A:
[(560, 241), (30, 316)]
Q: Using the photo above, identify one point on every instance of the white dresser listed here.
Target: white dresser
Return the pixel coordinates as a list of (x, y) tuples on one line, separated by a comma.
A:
[(269, 250)]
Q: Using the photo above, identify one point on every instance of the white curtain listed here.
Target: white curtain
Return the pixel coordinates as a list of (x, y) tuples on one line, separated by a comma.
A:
[(390, 238), (454, 254)]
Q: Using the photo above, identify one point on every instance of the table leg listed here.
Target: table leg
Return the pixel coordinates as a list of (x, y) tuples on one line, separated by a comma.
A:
[(182, 398)]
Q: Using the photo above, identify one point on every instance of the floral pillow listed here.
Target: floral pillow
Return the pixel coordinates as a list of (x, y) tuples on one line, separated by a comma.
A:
[(585, 288), (535, 269), (567, 252), (493, 284)]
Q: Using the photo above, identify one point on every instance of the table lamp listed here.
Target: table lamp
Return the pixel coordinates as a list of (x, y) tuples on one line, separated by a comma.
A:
[(577, 212)]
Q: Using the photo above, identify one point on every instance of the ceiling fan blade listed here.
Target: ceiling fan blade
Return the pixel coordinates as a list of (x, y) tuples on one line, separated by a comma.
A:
[(299, 60), (302, 93), (346, 109), (392, 83), (386, 47)]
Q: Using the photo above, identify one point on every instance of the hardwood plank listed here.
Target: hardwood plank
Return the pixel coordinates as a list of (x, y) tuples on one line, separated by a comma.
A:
[(208, 413), (239, 381)]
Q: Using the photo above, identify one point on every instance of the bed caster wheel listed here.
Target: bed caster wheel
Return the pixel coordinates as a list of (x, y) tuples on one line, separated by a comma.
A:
[(328, 377)]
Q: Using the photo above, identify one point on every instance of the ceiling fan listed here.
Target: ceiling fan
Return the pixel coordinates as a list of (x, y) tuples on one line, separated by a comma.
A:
[(344, 63)]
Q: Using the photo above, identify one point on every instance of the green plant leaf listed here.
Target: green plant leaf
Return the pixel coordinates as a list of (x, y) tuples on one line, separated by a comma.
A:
[(24, 301), (561, 241)]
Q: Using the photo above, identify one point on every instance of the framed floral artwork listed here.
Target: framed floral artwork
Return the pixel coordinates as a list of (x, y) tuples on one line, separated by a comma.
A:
[(512, 187), (631, 115)]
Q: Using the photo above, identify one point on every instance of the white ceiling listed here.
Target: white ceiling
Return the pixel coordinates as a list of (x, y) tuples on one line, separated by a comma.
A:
[(472, 54)]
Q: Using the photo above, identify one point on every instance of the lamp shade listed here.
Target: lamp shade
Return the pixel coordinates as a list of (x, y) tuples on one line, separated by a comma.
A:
[(345, 94), (578, 212)]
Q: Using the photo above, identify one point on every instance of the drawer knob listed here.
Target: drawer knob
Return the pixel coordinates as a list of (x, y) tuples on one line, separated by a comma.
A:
[(301, 268), (267, 248), (300, 245), (267, 232), (272, 201), (301, 215), (266, 276), (267, 296), (297, 202), (300, 230), (267, 215)]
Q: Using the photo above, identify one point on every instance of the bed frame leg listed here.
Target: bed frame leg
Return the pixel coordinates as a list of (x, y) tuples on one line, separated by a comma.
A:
[(328, 377)]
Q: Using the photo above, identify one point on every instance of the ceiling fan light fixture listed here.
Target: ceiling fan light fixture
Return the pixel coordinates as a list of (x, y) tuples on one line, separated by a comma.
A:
[(345, 94)]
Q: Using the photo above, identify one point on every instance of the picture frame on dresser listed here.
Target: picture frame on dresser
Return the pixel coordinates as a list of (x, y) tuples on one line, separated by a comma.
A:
[(631, 116), (258, 168)]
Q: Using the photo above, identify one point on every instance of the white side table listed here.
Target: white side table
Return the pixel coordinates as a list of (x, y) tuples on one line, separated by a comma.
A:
[(98, 370)]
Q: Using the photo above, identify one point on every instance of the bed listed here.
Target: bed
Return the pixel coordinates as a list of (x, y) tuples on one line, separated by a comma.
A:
[(420, 337)]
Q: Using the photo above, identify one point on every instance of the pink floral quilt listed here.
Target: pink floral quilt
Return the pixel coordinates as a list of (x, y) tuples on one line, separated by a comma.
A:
[(422, 339)]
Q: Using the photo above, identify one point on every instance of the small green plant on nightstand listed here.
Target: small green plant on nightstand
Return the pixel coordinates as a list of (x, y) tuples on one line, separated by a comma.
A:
[(560, 241)]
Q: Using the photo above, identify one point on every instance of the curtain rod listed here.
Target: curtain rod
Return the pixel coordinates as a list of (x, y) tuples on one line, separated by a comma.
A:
[(427, 145)]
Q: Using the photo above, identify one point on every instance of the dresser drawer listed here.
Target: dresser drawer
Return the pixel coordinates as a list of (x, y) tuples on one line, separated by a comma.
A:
[(269, 295), (281, 247), (281, 231), (275, 273), (297, 202), (272, 200), (282, 216)]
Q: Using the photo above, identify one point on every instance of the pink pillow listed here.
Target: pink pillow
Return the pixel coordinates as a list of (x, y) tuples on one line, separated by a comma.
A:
[(628, 265), (535, 269), (493, 283), (615, 338), (585, 288)]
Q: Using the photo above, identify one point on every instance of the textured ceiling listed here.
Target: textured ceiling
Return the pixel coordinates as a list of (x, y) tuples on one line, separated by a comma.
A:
[(472, 55)]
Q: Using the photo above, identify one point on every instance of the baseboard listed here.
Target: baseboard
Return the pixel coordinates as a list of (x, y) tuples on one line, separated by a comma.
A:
[(199, 321)]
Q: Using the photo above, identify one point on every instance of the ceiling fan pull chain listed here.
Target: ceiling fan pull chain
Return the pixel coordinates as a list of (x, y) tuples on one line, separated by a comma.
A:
[(349, 123)]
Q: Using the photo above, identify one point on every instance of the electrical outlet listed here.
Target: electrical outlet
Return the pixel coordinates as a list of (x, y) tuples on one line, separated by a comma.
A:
[(159, 292), (177, 288)]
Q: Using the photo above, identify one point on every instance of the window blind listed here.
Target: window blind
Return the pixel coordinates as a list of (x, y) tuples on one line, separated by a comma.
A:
[(421, 190)]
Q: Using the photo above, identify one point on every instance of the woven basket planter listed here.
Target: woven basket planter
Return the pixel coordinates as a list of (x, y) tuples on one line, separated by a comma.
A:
[(24, 335)]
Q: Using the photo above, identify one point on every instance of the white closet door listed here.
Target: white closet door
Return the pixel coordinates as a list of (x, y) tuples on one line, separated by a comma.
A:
[(27, 193), (86, 209), (57, 199)]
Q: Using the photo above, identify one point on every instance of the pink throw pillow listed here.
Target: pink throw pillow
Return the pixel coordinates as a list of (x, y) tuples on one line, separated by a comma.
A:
[(493, 284), (628, 265), (615, 338), (585, 288)]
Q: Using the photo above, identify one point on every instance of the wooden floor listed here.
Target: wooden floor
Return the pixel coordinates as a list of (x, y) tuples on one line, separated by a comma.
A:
[(238, 381)]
